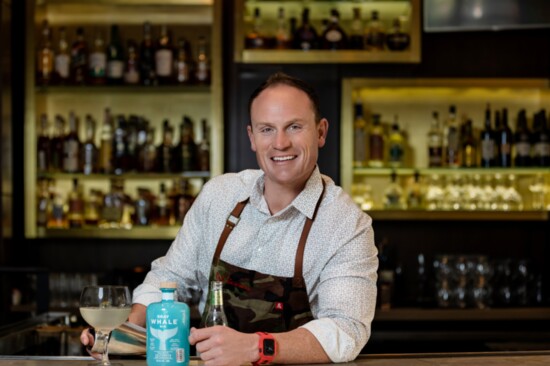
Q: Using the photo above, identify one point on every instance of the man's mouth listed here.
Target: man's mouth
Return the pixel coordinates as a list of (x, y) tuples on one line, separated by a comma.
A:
[(283, 158)]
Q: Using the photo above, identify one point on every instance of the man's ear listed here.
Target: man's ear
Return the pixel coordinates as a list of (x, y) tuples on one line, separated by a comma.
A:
[(251, 137), (322, 128)]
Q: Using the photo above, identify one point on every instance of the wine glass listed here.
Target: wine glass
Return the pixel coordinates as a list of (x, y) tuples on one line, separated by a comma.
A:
[(105, 308)]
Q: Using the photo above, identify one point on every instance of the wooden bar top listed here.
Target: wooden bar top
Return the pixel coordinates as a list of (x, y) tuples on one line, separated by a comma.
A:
[(534, 358)]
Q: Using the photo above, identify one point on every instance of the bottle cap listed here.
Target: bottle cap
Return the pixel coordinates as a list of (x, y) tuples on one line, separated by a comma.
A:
[(168, 284)]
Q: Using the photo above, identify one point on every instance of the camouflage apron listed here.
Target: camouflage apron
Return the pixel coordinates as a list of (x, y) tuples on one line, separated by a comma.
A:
[(255, 301)]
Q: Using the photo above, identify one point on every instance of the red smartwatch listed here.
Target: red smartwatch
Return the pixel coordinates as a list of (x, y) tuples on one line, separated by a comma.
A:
[(267, 349)]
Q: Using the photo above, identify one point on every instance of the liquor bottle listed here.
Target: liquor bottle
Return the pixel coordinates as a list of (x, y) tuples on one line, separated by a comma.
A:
[(57, 218), (113, 205), (147, 57), (79, 58), (397, 39), (356, 39), (215, 314), (142, 207), (131, 67), (202, 69), (375, 35), (56, 145), (393, 194), (62, 59), (89, 157), (45, 57), (255, 38), (71, 147), (92, 207), (120, 154), (435, 142), (164, 57), (98, 62), (163, 209), (452, 139), (334, 37), (75, 215), (360, 143), (183, 64), (148, 153), (396, 148), (115, 58), (504, 142), (488, 142), (376, 143), (181, 199), (42, 203), (106, 148), (187, 148), (305, 37), (282, 34), (522, 141), (43, 147), (164, 150), (132, 127), (204, 148), (168, 324), (541, 141), (469, 145), (415, 197)]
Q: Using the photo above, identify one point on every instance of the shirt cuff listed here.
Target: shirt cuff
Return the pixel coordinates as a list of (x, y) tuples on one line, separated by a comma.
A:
[(146, 294), (338, 345)]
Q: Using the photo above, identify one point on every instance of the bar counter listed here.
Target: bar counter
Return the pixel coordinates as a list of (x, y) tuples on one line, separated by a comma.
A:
[(530, 358)]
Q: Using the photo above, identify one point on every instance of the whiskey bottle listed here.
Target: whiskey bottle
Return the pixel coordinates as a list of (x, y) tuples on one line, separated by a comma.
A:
[(115, 58), (435, 142), (452, 139), (356, 39), (147, 57), (305, 37), (397, 39), (504, 142), (75, 216), (469, 145), (186, 151), (202, 69), (71, 147), (120, 151), (522, 141), (541, 140), (334, 37), (164, 150), (396, 146), (57, 218), (45, 57), (148, 153), (113, 205), (183, 65), (163, 216), (181, 199), (142, 207), (131, 66), (106, 146), (282, 34), (43, 147), (488, 142), (92, 207), (42, 203), (56, 145), (360, 143), (376, 143), (79, 58), (215, 314), (204, 148), (98, 62), (62, 59), (375, 34), (255, 38), (89, 157), (164, 57)]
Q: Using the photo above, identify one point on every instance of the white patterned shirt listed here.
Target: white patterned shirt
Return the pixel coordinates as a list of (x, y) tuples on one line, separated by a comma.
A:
[(340, 258)]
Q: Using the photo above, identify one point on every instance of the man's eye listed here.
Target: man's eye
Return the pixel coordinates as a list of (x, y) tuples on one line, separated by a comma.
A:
[(266, 130), (294, 127)]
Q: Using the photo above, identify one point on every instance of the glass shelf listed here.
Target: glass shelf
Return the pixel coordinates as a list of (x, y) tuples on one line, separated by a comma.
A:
[(448, 171), (139, 176), (421, 215), (139, 89), (136, 232)]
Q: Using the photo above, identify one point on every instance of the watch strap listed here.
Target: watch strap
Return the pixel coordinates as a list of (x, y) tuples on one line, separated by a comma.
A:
[(267, 349)]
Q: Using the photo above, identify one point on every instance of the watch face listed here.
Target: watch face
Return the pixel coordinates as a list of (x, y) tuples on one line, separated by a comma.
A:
[(269, 347)]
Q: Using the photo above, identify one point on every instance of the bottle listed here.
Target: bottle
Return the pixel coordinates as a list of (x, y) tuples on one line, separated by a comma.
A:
[(71, 147), (183, 64), (168, 324), (360, 158), (522, 141), (282, 34), (164, 150), (79, 58), (376, 143), (56, 145), (148, 153), (187, 147), (334, 37), (541, 140), (43, 147), (469, 145), (504, 142), (89, 157), (488, 142), (42, 203), (452, 139), (142, 207), (164, 212), (375, 35), (202, 69), (204, 148), (147, 58), (131, 67), (396, 39), (98, 62), (45, 57), (57, 218), (393, 194), (164, 57), (181, 199), (396, 142), (106, 147), (62, 59), (75, 216), (305, 37), (356, 39), (92, 207), (120, 155), (215, 314), (255, 38), (113, 205), (435, 142), (415, 197), (115, 58)]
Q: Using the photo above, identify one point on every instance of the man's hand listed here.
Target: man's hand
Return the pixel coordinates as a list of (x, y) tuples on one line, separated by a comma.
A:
[(223, 346), (87, 339)]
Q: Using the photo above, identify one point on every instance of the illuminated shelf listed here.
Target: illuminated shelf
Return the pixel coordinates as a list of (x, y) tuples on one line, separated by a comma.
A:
[(129, 176), (420, 215), (138, 89), (492, 314), (136, 232), (328, 56), (448, 171)]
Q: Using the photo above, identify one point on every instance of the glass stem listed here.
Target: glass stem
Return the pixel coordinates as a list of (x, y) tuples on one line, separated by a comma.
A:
[(104, 337)]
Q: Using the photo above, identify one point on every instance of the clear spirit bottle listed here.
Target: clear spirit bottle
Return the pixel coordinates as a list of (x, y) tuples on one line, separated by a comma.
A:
[(215, 314), (360, 144)]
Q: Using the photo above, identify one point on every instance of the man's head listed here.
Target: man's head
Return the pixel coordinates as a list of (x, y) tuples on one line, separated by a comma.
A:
[(286, 130)]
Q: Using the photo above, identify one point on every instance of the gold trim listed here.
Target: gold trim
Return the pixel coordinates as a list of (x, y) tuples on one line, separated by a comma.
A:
[(420, 215), (141, 232)]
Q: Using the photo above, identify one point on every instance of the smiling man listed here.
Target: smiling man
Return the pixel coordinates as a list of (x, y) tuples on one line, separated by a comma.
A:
[(296, 255)]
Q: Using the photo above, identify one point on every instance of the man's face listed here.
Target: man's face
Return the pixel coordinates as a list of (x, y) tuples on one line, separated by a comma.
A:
[(284, 135)]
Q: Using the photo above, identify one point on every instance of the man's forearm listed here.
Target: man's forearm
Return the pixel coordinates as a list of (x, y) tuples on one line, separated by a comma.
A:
[(137, 314), (299, 346)]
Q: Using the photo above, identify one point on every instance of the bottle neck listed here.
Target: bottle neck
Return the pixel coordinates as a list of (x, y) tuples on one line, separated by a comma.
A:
[(216, 298), (168, 294)]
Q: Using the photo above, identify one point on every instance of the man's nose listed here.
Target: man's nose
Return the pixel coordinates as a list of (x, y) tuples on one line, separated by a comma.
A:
[(281, 140)]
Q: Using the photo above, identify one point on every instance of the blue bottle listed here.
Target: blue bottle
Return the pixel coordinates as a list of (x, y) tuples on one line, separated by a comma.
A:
[(168, 330)]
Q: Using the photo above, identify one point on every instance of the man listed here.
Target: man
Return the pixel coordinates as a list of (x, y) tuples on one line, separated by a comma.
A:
[(250, 229)]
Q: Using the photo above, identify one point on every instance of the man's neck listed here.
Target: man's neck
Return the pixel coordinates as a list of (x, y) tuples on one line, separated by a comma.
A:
[(278, 196)]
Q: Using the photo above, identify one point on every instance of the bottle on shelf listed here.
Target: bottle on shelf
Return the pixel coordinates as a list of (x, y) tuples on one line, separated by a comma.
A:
[(386, 277), (504, 142), (183, 64), (376, 143), (57, 218), (62, 58), (89, 157), (393, 194), (356, 36), (79, 59), (75, 215), (204, 148), (396, 145), (215, 314), (42, 203), (43, 145), (375, 34), (112, 208), (305, 37), (522, 141), (435, 142), (488, 142), (120, 156), (131, 66), (168, 324), (97, 72), (181, 199), (56, 145), (469, 145), (415, 196), (282, 34), (92, 207), (71, 147), (142, 207), (187, 148), (115, 58), (148, 153), (163, 215), (334, 37), (202, 68), (397, 39), (165, 159), (147, 66), (541, 140), (164, 57), (45, 57), (360, 142), (452, 139), (255, 39), (106, 146)]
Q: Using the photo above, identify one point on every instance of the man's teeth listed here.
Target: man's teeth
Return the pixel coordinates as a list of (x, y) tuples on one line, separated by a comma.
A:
[(283, 158)]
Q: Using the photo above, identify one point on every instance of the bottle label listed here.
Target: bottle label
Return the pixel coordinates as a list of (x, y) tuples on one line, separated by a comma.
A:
[(435, 154), (62, 66), (488, 149), (542, 149), (360, 147), (163, 59), (202, 71), (523, 149), (131, 76), (376, 147), (98, 60), (333, 36), (70, 163), (115, 69), (395, 153)]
